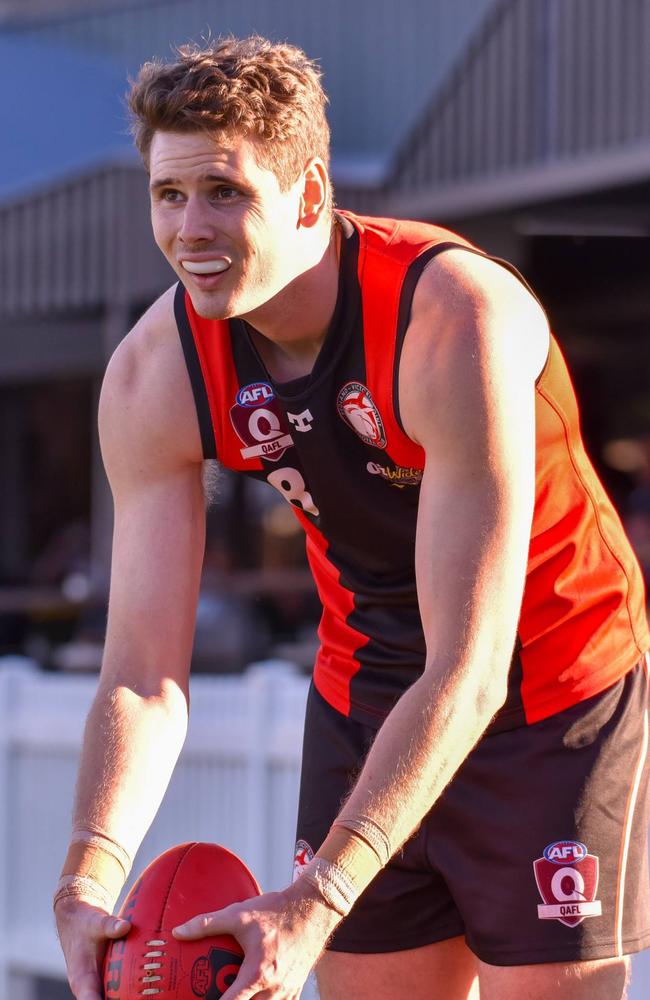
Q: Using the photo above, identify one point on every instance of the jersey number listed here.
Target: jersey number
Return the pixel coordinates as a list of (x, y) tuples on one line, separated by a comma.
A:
[(293, 488)]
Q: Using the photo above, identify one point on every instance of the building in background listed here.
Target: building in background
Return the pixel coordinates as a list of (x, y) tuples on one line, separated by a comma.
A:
[(523, 123), (538, 146)]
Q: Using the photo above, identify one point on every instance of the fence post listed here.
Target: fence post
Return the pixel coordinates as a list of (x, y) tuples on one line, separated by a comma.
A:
[(5, 680), (261, 680), (13, 671)]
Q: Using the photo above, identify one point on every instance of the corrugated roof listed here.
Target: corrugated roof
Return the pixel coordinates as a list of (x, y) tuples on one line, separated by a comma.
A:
[(382, 59), (551, 98)]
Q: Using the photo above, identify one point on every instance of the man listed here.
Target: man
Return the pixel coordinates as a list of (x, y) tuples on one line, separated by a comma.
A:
[(483, 629)]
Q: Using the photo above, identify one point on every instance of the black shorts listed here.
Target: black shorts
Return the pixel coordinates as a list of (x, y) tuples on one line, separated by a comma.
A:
[(536, 851)]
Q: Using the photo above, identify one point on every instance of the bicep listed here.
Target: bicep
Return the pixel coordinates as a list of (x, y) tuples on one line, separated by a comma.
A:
[(474, 414), (159, 525)]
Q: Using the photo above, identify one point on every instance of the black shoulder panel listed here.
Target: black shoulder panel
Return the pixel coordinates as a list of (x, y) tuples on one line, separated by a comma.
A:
[(196, 375), (404, 314)]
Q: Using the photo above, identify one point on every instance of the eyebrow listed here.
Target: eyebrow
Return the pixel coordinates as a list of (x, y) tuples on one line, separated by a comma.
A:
[(176, 182)]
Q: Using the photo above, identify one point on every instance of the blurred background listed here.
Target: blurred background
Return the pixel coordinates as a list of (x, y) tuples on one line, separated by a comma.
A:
[(523, 124)]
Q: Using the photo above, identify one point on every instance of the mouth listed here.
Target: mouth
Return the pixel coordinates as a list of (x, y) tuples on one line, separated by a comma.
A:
[(216, 266)]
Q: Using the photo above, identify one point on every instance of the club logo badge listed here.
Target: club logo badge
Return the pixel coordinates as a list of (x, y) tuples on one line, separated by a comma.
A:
[(356, 407), (567, 879), (302, 857), (260, 423)]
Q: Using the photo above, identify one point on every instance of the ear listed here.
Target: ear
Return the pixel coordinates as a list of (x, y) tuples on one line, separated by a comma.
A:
[(314, 195)]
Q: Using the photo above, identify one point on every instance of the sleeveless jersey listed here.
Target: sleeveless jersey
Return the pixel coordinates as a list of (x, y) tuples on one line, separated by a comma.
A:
[(333, 444)]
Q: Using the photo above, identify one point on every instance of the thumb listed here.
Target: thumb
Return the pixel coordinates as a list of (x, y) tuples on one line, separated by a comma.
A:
[(205, 924), (116, 927)]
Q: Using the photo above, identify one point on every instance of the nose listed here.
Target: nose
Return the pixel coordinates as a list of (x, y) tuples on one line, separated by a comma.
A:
[(195, 226)]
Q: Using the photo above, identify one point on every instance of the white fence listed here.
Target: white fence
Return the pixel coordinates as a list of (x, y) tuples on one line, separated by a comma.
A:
[(236, 783)]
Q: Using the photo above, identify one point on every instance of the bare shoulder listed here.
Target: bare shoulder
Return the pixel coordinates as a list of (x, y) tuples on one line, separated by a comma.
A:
[(147, 415), (476, 336), (472, 296)]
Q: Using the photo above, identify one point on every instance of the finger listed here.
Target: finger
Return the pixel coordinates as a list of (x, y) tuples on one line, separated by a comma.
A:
[(206, 924), (86, 985), (88, 995), (247, 984)]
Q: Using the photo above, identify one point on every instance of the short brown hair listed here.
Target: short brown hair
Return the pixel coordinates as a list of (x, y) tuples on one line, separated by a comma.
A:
[(250, 87)]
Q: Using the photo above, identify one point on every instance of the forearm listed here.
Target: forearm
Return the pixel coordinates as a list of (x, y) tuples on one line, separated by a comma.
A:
[(420, 746), (131, 744)]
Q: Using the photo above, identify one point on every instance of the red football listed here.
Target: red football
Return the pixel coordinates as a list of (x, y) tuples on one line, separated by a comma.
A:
[(183, 882)]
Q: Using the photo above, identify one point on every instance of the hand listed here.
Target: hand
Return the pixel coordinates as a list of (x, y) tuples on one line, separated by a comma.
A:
[(84, 932), (282, 935)]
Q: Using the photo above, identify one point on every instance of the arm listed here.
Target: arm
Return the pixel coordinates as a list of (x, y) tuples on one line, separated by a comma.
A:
[(136, 726), (475, 345), (468, 398)]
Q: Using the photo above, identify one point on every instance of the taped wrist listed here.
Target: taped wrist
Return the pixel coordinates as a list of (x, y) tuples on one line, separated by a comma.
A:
[(84, 888), (332, 885), (357, 849), (96, 867), (371, 833)]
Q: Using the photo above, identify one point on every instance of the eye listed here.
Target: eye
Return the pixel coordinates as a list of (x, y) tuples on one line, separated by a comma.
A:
[(169, 194), (224, 193)]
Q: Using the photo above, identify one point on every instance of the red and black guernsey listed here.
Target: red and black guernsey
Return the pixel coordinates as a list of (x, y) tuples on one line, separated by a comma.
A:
[(332, 443)]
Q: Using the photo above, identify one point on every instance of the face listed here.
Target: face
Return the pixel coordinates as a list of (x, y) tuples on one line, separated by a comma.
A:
[(229, 232)]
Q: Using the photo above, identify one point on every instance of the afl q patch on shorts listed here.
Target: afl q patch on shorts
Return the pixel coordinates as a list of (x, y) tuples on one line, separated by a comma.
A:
[(536, 852)]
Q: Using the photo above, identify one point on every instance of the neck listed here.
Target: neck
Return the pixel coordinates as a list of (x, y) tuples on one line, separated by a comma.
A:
[(290, 328)]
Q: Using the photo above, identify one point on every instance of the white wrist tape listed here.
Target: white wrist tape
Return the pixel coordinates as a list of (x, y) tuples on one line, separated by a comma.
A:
[(371, 832), (96, 867), (85, 888), (95, 838), (332, 883)]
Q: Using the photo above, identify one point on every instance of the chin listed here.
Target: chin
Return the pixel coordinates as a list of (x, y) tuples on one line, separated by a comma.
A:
[(210, 306)]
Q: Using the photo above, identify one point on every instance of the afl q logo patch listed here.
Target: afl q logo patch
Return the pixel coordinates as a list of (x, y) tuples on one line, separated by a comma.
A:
[(260, 423), (567, 879), (357, 408)]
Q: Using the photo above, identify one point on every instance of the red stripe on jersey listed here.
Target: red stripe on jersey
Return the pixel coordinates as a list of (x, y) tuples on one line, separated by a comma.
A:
[(336, 661), (212, 339)]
